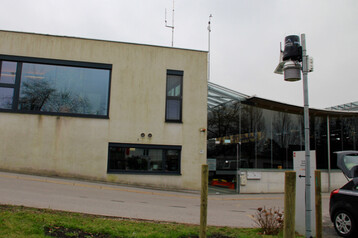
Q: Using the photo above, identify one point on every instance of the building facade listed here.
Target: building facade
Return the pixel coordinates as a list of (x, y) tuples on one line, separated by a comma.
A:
[(100, 110)]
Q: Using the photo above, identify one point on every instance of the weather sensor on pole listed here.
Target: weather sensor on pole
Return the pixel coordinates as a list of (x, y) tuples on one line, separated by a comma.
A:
[(172, 26), (293, 60)]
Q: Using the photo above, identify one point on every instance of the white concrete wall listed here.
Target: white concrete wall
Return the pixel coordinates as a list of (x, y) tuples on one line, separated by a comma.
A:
[(78, 147), (274, 181)]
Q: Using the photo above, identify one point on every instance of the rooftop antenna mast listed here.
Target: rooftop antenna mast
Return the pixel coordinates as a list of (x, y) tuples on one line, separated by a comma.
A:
[(172, 26), (209, 31)]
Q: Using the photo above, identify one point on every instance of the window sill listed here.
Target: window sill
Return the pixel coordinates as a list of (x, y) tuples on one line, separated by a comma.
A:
[(144, 173), (169, 121), (54, 114)]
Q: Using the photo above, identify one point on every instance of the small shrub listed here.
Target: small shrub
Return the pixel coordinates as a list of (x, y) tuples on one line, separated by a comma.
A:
[(269, 220)]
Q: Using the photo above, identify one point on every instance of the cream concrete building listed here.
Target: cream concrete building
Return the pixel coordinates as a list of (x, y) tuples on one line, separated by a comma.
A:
[(100, 110)]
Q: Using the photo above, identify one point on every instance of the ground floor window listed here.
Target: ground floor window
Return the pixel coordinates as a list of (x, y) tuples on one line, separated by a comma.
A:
[(139, 158)]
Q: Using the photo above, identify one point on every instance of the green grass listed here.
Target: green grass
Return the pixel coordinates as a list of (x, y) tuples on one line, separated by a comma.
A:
[(18, 221)]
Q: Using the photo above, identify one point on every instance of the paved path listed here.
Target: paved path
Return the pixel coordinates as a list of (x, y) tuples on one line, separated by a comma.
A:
[(121, 201)]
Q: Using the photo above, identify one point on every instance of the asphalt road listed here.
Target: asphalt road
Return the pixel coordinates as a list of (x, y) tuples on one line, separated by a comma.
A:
[(120, 201)]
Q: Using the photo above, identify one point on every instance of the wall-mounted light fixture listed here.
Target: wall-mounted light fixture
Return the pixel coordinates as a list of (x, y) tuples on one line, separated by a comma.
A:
[(142, 135), (150, 135)]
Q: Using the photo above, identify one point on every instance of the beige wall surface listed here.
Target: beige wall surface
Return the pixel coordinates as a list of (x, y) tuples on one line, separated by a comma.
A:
[(78, 147)]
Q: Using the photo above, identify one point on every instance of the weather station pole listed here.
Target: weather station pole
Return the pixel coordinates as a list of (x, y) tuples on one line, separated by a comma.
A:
[(290, 65), (308, 204)]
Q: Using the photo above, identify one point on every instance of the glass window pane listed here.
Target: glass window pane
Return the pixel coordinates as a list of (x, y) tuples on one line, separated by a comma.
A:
[(64, 89), (6, 95), (146, 159), (350, 161), (8, 72), (172, 160), (155, 158), (173, 109), (174, 85)]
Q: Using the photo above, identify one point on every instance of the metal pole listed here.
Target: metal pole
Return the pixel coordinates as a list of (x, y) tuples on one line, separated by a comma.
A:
[(237, 169), (308, 213), (329, 153), (173, 26), (239, 144), (271, 145), (209, 31)]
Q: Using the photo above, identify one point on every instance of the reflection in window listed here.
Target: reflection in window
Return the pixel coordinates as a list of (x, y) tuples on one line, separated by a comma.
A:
[(6, 95), (350, 161), (174, 92), (144, 158), (64, 89), (8, 72)]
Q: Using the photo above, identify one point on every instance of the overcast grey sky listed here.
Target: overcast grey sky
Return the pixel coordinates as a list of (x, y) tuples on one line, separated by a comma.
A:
[(245, 37)]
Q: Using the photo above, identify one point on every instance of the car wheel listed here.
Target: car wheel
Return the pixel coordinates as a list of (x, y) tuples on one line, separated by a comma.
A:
[(344, 223)]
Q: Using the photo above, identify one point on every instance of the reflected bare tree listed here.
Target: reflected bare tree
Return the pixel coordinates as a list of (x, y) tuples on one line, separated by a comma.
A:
[(253, 123), (5, 101), (38, 95), (287, 132), (65, 101), (34, 94), (223, 120)]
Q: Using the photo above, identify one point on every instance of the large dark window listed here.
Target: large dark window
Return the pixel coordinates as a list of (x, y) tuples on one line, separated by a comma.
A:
[(174, 96), (136, 158), (54, 86)]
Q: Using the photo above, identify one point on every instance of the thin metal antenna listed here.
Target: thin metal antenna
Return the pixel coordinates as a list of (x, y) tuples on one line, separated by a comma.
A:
[(172, 26), (209, 31)]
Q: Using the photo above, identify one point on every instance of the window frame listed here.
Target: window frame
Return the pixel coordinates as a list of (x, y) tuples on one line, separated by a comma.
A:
[(20, 60), (177, 98), (144, 147)]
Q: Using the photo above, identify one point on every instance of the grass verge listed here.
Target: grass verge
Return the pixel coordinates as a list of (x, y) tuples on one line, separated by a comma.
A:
[(19, 221)]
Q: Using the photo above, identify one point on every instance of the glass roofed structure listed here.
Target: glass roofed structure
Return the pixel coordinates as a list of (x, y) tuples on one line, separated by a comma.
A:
[(353, 106), (257, 135)]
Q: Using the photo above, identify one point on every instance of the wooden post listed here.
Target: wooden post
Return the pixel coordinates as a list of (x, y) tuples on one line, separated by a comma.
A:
[(318, 203), (204, 200), (290, 204)]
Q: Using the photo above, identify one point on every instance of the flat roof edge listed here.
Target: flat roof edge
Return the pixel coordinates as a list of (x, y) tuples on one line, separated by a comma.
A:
[(284, 107), (103, 40)]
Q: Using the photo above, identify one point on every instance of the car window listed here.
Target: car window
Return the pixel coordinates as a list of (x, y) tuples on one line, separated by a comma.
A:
[(350, 161)]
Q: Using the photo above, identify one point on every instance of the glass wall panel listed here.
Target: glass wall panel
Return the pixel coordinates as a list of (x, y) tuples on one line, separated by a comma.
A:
[(265, 138), (336, 131), (343, 131), (318, 140), (287, 136), (64, 89)]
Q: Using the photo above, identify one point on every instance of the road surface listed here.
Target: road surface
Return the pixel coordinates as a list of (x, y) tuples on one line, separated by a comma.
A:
[(233, 210)]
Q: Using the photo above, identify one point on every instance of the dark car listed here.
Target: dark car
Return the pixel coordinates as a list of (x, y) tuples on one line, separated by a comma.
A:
[(344, 201)]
